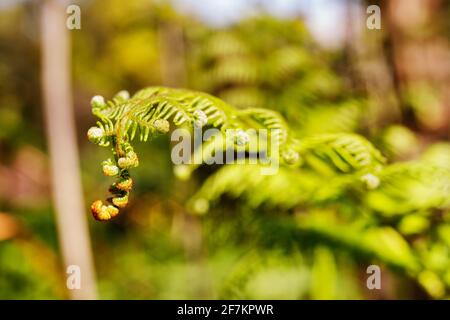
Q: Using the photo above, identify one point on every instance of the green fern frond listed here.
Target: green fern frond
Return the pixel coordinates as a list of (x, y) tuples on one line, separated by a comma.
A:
[(398, 189), (438, 154), (327, 155), (381, 243), (244, 97), (339, 117), (284, 190), (409, 187), (224, 44), (149, 113), (242, 71), (344, 152), (269, 120), (287, 62)]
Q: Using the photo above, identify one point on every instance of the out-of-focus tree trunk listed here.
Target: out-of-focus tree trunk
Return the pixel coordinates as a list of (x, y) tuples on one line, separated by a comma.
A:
[(373, 69), (171, 43), (66, 182), (421, 60)]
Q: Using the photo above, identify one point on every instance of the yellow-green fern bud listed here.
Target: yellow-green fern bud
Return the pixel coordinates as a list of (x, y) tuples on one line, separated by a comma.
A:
[(109, 168), (120, 202), (200, 118), (97, 102), (371, 181), (130, 161), (124, 184), (102, 212), (122, 95), (161, 125), (290, 156), (95, 134)]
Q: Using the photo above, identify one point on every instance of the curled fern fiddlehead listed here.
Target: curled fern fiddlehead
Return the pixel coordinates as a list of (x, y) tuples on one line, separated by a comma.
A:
[(149, 113)]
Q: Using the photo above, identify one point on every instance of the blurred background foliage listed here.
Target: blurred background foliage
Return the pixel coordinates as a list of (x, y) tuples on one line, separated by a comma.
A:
[(308, 232)]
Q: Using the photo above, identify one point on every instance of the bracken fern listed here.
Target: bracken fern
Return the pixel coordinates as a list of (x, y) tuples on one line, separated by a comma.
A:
[(149, 113)]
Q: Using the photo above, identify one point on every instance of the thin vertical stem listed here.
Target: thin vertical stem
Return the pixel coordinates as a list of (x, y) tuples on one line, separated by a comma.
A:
[(61, 137)]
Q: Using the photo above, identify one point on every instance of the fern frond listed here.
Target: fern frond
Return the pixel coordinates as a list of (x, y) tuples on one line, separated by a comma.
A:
[(289, 188), (149, 113), (438, 154), (269, 120), (285, 190), (244, 97), (287, 62), (243, 71), (409, 187), (395, 190), (339, 117), (382, 243), (325, 154), (343, 152), (224, 44)]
